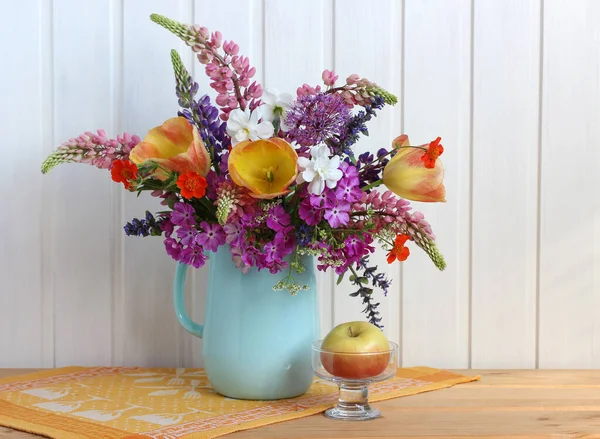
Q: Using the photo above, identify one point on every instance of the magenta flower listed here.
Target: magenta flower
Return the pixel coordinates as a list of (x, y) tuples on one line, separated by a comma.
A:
[(309, 214), (233, 232), (324, 200), (211, 237), (187, 236), (348, 190), (278, 219), (167, 227), (355, 246), (183, 215), (173, 248), (286, 240), (194, 256), (338, 215)]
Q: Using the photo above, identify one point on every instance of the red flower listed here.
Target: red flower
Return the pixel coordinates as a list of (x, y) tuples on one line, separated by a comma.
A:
[(433, 152), (399, 252), (192, 185), (124, 171)]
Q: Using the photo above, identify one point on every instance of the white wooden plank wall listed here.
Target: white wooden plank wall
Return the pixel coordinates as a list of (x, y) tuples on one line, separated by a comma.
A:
[(512, 86)]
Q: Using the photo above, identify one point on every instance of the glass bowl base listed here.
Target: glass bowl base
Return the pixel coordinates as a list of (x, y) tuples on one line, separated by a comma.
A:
[(357, 413)]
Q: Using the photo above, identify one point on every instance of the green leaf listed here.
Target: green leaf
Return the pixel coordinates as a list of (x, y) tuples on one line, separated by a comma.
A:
[(341, 278)]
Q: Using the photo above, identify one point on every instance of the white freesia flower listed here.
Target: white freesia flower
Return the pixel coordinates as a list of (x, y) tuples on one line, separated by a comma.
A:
[(275, 104), (319, 170), (243, 125)]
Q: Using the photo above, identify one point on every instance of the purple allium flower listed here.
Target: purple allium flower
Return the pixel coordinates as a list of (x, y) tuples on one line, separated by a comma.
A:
[(183, 215), (310, 214), (211, 237), (278, 219), (338, 215), (312, 119), (193, 255)]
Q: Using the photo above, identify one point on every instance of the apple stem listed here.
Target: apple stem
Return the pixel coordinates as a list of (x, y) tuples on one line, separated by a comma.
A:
[(350, 331)]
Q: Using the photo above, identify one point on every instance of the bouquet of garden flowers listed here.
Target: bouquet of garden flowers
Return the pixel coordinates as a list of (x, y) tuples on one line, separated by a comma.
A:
[(272, 176)]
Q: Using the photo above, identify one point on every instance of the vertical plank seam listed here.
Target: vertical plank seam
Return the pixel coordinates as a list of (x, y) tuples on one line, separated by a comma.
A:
[(539, 188), (184, 347), (471, 133), (332, 281), (402, 127), (117, 242), (47, 130), (194, 342), (263, 14)]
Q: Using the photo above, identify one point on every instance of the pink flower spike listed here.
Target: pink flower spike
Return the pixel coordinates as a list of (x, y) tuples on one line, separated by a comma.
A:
[(205, 57), (352, 79), (222, 100), (203, 32), (216, 39), (329, 77)]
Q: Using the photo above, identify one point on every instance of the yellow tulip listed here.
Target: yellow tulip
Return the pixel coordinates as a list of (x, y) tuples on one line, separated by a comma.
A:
[(407, 176), (265, 167), (175, 145)]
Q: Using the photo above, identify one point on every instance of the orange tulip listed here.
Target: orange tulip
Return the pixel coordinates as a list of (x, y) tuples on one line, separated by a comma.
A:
[(265, 167), (176, 146), (407, 176)]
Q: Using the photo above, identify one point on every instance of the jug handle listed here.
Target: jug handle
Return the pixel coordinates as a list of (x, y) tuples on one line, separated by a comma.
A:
[(179, 302)]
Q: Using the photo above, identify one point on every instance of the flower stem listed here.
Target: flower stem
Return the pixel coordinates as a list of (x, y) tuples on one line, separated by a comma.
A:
[(372, 185)]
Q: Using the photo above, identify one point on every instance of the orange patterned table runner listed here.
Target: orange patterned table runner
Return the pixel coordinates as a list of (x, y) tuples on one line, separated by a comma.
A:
[(118, 402)]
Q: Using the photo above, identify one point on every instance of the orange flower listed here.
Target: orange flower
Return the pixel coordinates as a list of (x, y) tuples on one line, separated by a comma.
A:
[(433, 152), (399, 252), (176, 146), (123, 171), (192, 185), (406, 176)]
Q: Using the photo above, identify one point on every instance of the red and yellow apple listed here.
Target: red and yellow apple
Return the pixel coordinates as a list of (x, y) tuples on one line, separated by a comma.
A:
[(341, 350)]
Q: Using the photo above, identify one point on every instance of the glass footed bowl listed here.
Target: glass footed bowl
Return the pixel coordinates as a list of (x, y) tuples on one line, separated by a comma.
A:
[(353, 372)]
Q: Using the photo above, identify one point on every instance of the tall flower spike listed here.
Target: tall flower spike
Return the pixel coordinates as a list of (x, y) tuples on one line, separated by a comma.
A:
[(93, 149)]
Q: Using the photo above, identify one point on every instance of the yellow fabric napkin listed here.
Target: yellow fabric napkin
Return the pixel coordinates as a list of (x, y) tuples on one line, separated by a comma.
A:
[(136, 403)]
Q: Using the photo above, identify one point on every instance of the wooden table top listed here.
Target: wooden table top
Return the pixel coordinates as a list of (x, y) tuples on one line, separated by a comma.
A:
[(504, 404)]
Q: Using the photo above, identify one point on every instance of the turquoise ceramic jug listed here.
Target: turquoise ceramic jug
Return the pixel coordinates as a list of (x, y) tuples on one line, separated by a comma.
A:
[(256, 341)]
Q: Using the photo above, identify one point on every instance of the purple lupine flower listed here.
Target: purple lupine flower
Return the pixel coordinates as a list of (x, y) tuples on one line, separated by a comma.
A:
[(183, 215), (193, 255), (309, 214), (187, 235), (312, 119), (173, 248), (278, 219), (338, 215), (211, 237), (286, 240)]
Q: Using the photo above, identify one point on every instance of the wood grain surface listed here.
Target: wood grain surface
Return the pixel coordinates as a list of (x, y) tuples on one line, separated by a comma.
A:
[(534, 404)]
